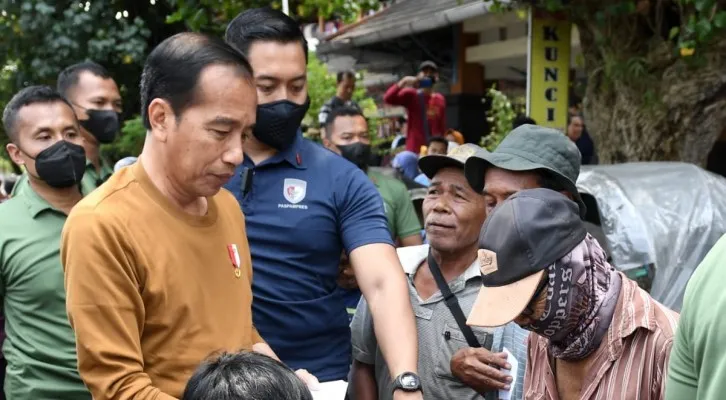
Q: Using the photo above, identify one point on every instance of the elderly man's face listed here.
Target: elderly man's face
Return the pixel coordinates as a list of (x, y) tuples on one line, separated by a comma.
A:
[(499, 184), (206, 143), (453, 212)]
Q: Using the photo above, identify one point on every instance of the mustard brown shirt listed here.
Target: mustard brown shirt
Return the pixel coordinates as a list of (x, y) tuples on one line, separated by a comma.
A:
[(152, 290)]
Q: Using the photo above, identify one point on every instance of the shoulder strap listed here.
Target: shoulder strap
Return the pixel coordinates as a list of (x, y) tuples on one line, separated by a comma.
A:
[(453, 304), (424, 115)]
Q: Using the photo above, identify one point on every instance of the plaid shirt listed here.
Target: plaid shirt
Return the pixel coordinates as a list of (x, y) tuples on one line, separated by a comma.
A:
[(630, 364)]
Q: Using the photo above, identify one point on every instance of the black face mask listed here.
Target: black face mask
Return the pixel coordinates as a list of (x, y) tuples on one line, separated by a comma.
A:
[(278, 122), (357, 153), (61, 165), (102, 124)]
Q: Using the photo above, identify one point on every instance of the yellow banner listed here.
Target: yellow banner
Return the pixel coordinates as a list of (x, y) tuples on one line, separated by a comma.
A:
[(548, 74)]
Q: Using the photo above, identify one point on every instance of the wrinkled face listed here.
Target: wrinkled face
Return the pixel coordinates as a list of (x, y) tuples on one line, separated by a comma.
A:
[(437, 148), (39, 126), (280, 71), (345, 88), (574, 130), (93, 93), (204, 145), (347, 130), (453, 212), (499, 184)]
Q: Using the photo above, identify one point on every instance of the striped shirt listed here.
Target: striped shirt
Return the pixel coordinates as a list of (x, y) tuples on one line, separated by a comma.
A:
[(630, 364)]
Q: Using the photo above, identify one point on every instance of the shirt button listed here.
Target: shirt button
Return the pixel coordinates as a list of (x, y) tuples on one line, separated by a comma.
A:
[(447, 335)]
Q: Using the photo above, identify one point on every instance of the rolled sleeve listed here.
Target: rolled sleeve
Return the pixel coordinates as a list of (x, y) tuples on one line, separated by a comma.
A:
[(363, 336), (105, 308), (362, 216)]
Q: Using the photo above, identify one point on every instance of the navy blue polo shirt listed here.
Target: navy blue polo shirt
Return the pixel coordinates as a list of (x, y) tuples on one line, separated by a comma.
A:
[(303, 207)]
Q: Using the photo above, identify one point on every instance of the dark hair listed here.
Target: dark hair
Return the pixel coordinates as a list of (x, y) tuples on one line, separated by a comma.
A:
[(576, 115), (263, 24), (173, 68), (245, 376), (69, 77), (25, 97), (343, 75), (438, 139), (342, 111), (522, 119)]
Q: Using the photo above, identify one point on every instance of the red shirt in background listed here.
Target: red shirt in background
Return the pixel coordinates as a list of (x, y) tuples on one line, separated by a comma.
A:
[(436, 110)]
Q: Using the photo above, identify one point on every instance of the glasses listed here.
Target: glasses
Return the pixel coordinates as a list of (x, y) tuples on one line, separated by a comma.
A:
[(529, 310)]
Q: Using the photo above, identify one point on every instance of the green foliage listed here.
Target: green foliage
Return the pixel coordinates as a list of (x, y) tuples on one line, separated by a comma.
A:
[(500, 116), (130, 141), (213, 15)]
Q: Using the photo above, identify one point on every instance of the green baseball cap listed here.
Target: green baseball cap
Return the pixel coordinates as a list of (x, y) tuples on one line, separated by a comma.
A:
[(457, 157), (527, 148)]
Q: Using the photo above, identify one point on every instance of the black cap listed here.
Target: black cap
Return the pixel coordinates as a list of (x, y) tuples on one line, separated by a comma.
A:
[(521, 238)]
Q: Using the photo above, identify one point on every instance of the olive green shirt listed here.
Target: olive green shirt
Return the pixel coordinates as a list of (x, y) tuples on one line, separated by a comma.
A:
[(91, 178), (402, 218), (39, 347)]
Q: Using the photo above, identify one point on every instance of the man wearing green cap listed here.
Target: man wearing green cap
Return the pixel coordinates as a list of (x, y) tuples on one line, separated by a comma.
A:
[(529, 157)]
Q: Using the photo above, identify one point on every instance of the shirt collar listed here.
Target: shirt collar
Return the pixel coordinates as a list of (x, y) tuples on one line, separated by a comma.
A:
[(293, 155), (412, 257), (635, 310), (32, 200)]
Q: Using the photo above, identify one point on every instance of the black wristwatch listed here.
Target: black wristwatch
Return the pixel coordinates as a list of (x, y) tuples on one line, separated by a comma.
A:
[(408, 382)]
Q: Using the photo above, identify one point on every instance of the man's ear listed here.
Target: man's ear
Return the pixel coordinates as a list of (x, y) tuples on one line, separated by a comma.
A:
[(329, 145), (161, 119), (14, 152)]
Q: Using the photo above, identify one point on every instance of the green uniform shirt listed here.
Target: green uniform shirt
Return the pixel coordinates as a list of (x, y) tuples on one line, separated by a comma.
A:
[(402, 218), (39, 347), (697, 369), (91, 179)]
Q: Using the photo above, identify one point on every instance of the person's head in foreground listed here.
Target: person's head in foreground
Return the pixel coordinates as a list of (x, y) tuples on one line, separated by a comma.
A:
[(198, 106), (529, 157), (542, 270), (346, 133), (245, 376), (278, 53), (45, 137)]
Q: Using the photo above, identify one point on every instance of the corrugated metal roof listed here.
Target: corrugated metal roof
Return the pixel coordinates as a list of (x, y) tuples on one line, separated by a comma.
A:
[(405, 18)]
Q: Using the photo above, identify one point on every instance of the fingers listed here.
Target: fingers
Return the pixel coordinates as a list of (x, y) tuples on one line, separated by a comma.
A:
[(498, 360), (310, 380), (492, 377)]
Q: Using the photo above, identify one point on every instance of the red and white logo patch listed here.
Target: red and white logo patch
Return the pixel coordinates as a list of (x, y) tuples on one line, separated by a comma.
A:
[(294, 190)]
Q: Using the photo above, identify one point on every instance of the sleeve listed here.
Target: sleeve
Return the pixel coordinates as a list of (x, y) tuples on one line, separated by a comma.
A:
[(105, 308), (363, 337), (407, 222), (682, 380), (361, 216), (398, 96)]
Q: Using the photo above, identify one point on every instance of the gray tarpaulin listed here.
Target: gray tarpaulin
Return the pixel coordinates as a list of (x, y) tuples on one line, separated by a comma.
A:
[(667, 214)]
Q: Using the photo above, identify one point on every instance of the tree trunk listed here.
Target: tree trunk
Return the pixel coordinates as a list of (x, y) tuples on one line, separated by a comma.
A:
[(671, 112)]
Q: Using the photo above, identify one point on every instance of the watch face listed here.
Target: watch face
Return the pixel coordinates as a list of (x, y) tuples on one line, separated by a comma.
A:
[(409, 381)]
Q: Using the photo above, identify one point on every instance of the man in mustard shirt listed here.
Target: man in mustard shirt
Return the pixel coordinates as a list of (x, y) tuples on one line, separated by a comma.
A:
[(39, 346)]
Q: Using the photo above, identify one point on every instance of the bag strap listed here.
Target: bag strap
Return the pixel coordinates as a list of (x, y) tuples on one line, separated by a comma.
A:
[(424, 115), (453, 305)]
